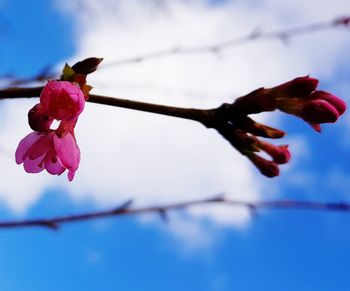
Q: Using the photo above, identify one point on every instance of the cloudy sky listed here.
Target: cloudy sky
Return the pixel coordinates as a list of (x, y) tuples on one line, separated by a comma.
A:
[(154, 159)]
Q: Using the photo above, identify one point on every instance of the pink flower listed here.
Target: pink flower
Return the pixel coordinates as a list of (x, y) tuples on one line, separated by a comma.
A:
[(53, 150), (62, 100), (39, 151)]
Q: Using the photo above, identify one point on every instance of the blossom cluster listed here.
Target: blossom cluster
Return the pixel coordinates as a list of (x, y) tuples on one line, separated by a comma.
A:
[(53, 149)]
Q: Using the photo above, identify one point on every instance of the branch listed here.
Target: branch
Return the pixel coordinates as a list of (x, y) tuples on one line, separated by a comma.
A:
[(162, 210), (283, 35), (203, 116)]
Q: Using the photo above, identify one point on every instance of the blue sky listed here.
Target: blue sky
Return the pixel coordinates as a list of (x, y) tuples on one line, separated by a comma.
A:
[(275, 250)]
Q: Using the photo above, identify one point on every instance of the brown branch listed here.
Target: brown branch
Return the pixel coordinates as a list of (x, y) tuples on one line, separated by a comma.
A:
[(162, 210), (202, 115), (282, 35)]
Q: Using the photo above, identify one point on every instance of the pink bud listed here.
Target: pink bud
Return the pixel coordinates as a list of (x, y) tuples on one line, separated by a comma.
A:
[(319, 111), (255, 102), (280, 154), (299, 97), (297, 88), (62, 100), (267, 168), (338, 103)]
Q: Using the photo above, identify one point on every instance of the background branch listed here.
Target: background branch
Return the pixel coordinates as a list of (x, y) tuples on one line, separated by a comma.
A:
[(283, 35), (162, 210)]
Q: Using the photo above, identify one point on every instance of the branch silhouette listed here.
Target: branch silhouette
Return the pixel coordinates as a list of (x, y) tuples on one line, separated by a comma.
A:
[(125, 209), (283, 35)]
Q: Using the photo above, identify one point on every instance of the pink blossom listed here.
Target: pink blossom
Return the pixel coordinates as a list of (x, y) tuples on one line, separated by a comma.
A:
[(39, 151), (45, 148), (62, 100)]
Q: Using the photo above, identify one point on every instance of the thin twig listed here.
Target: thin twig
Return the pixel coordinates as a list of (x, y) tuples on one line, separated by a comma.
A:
[(283, 35), (124, 209)]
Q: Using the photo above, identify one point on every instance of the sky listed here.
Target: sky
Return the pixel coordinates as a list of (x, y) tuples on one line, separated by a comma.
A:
[(155, 159)]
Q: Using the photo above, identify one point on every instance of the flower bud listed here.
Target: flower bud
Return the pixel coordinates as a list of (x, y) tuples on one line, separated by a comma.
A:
[(87, 66), (255, 102), (319, 111), (267, 168), (280, 154), (38, 119), (297, 88), (62, 100), (335, 101), (249, 125)]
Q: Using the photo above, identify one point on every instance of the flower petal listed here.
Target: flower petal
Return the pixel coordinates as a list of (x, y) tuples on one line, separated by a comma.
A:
[(24, 145), (68, 153), (34, 166), (52, 164), (40, 147)]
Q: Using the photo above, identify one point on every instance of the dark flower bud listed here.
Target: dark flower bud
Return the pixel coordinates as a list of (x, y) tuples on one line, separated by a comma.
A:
[(38, 118), (87, 66)]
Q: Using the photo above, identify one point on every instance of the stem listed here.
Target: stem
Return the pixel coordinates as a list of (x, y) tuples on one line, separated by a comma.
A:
[(200, 115), (204, 116)]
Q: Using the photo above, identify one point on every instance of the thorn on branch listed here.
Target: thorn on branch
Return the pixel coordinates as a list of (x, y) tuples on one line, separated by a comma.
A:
[(124, 206)]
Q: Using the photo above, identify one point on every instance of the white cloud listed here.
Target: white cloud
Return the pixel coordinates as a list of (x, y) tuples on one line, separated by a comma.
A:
[(158, 159)]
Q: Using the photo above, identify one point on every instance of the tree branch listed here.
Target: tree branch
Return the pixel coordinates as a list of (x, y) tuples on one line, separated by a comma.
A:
[(282, 35), (162, 210), (201, 115)]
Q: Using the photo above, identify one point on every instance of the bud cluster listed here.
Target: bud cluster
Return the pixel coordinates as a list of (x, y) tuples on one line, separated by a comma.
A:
[(298, 97)]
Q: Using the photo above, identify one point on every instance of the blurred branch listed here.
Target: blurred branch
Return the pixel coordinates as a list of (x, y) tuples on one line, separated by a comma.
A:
[(12, 80), (162, 210), (283, 35)]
